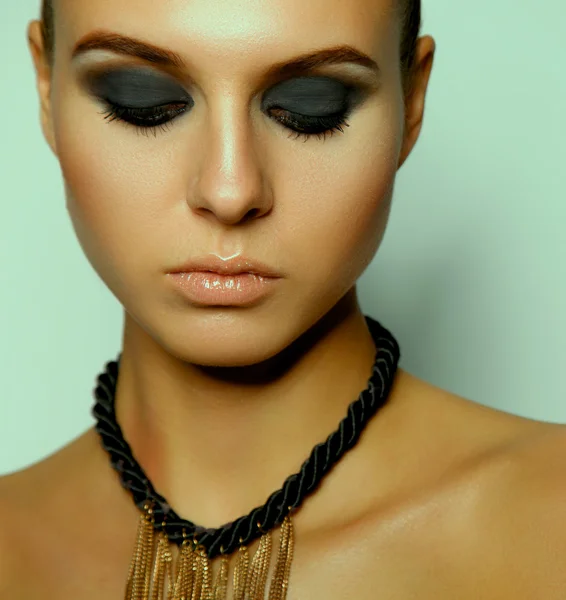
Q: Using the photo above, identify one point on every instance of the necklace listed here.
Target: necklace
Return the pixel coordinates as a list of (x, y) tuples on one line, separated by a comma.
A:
[(152, 575)]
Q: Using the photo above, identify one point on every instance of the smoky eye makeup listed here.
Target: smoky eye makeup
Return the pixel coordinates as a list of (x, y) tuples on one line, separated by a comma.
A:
[(312, 96), (305, 105), (135, 88)]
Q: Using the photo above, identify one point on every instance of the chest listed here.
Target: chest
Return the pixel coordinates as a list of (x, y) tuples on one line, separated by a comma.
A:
[(399, 564), (469, 541), (384, 579)]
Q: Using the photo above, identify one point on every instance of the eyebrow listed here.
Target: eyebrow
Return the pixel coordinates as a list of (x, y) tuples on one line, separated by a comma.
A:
[(125, 45)]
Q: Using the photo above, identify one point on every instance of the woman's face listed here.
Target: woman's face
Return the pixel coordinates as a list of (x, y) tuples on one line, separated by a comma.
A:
[(228, 175)]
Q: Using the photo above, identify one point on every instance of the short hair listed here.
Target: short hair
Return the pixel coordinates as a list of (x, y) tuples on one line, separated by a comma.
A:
[(409, 12)]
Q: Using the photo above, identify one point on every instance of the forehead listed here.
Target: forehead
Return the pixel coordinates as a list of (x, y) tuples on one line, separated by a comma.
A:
[(227, 32)]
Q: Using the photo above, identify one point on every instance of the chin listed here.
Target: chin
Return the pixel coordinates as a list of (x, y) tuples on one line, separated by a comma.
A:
[(224, 347)]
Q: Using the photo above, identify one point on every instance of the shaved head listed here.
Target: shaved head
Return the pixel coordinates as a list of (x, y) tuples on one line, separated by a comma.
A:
[(409, 13), (274, 128)]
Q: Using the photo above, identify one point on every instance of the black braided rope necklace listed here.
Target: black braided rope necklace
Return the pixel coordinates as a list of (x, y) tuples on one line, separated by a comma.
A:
[(296, 488)]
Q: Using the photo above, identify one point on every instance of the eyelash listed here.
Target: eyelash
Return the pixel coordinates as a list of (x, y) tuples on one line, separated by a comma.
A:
[(147, 120)]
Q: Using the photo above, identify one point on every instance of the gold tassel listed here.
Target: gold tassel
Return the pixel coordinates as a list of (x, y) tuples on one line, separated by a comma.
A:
[(184, 579), (280, 581), (151, 568), (197, 580), (221, 583), (163, 560), (241, 572), (203, 590), (139, 576), (257, 576)]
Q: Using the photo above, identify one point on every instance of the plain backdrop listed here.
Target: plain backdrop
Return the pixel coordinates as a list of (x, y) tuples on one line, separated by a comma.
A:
[(470, 277)]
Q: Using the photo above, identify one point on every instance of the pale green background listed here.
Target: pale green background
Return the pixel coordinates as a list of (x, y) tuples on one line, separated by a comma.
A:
[(470, 278)]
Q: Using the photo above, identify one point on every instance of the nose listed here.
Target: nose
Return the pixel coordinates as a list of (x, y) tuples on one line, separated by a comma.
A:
[(231, 184)]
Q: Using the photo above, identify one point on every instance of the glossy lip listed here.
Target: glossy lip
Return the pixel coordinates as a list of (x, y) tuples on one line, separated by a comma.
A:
[(212, 289), (232, 266)]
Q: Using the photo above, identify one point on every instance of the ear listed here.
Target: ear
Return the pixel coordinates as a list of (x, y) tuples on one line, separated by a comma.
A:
[(415, 102), (44, 74)]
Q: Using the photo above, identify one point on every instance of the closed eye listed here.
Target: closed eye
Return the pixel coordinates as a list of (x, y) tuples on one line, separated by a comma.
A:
[(154, 118)]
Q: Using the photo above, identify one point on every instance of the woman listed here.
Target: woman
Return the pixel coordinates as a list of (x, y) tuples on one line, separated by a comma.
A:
[(252, 161)]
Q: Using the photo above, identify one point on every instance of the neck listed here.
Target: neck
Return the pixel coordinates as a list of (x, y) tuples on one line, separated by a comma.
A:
[(217, 441)]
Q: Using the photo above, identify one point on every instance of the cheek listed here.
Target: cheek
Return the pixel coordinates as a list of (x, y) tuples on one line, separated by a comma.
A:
[(116, 187), (127, 200), (341, 197)]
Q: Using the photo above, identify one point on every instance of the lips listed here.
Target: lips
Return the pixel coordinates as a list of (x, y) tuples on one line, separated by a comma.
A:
[(212, 289), (232, 266)]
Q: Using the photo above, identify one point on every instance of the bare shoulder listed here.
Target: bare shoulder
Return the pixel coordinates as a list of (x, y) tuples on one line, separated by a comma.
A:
[(21, 498), (37, 506), (533, 480), (516, 454), (515, 524), (55, 523), (9, 542), (18, 517), (507, 512), (522, 516)]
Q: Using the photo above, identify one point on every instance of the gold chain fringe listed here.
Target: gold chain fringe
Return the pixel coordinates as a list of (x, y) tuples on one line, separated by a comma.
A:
[(152, 575)]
